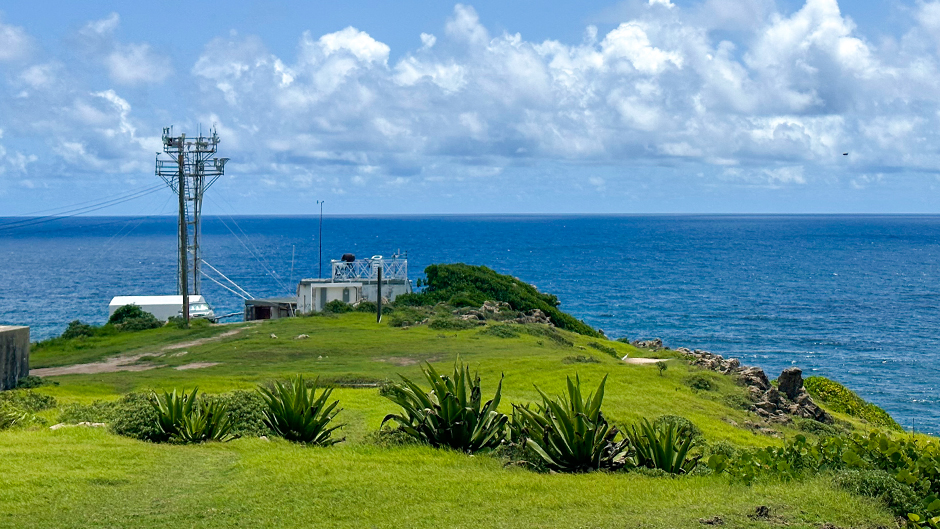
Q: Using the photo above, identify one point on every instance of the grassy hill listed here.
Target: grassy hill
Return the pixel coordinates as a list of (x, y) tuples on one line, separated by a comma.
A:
[(87, 477)]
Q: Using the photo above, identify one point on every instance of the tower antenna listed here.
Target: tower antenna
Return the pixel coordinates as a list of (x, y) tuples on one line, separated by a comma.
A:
[(190, 168)]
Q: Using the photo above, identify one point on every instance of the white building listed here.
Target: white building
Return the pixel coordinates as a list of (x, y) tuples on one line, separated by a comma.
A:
[(314, 294)]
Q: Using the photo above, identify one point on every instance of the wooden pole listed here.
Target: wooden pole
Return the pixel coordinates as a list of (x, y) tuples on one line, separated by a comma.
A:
[(184, 258)]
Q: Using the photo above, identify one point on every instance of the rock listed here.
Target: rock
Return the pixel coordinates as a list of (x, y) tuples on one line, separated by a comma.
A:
[(791, 382), (761, 512), (714, 520), (653, 345), (273, 336), (755, 376), (301, 337)]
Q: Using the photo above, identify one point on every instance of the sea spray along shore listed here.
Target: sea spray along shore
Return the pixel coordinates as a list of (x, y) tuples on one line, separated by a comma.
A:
[(678, 440)]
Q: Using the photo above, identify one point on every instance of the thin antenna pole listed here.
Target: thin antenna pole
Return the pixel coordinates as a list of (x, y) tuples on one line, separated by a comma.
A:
[(378, 296), (320, 239), (291, 280), (184, 259)]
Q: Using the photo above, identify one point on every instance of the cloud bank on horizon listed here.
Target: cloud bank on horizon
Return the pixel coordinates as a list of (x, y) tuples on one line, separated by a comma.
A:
[(729, 104)]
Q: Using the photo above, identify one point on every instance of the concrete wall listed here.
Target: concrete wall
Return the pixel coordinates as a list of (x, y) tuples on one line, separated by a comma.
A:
[(14, 355)]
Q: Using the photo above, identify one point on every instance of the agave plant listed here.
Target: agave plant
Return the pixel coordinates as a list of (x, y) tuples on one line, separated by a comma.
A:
[(664, 446), (569, 433), (11, 416), (451, 414), (182, 417), (295, 412)]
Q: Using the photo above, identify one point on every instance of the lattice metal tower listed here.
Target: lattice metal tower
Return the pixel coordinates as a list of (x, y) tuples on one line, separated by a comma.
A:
[(200, 169)]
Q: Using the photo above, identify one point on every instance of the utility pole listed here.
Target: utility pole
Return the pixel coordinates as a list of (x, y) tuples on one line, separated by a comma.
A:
[(320, 239), (189, 167), (378, 295), (184, 245)]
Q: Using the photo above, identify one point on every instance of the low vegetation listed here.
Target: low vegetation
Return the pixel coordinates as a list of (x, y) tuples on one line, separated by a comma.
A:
[(524, 457), (451, 413), (843, 400), (296, 413)]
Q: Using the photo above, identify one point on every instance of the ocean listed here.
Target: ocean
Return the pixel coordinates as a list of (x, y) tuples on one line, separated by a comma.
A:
[(853, 298)]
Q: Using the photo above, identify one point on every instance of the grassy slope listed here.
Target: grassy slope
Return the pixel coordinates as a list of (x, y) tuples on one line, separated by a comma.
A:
[(83, 477)]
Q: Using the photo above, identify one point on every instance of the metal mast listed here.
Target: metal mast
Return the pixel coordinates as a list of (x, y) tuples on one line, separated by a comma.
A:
[(191, 163)]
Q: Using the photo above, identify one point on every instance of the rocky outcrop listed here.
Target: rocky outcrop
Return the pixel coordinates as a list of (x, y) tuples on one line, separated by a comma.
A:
[(774, 404), (500, 310), (653, 345)]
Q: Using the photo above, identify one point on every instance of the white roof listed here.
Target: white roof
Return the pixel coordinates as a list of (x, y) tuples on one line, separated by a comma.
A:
[(140, 301), (317, 284)]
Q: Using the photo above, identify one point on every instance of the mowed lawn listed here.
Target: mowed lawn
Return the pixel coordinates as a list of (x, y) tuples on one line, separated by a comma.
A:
[(87, 477)]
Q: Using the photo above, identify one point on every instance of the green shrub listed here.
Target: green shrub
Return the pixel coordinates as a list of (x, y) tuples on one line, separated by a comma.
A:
[(569, 433), (11, 416), (452, 413), (664, 445), (680, 423), (337, 307), (472, 285), (605, 349), (367, 306), (245, 412), (97, 411), (843, 400), (406, 316), (878, 484), (33, 381), (78, 329), (27, 400), (701, 381), (544, 331), (817, 428), (187, 419), (447, 322), (580, 359), (134, 416), (505, 330), (127, 312), (295, 412)]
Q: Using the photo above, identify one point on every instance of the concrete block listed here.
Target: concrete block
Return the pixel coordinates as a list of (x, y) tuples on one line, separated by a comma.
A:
[(14, 355)]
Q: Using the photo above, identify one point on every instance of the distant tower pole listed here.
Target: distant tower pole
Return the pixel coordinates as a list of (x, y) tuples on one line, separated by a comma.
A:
[(190, 168), (320, 238), (183, 232)]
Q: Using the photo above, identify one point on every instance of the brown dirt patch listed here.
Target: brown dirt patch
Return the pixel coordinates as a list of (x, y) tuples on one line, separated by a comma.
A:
[(111, 365), (195, 365)]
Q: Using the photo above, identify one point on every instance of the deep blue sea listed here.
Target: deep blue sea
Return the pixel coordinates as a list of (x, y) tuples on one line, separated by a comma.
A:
[(854, 298)]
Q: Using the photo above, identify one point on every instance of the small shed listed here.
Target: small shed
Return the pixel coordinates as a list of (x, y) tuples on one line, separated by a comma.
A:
[(314, 294), (270, 308)]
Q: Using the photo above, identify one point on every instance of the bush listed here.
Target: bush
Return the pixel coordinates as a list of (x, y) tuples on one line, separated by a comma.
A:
[(134, 416), (664, 444), (451, 414), (367, 306), (605, 349), (472, 285), (337, 307), (569, 433), (188, 419), (33, 381), (878, 484), (700, 381), (295, 412), (843, 400), (407, 316), (580, 359), (27, 400), (77, 329), (544, 331), (97, 411), (133, 318), (245, 411), (502, 331), (447, 322)]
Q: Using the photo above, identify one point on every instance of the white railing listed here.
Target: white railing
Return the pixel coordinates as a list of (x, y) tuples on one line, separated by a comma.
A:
[(359, 269)]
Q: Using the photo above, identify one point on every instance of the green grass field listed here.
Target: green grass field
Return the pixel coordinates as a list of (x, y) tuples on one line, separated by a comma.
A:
[(87, 477)]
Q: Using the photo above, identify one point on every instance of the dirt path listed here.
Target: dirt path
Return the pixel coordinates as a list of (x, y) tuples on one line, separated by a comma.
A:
[(642, 361), (126, 362)]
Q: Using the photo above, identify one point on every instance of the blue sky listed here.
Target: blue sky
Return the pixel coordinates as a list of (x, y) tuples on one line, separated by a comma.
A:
[(641, 106)]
